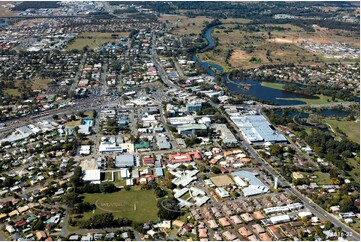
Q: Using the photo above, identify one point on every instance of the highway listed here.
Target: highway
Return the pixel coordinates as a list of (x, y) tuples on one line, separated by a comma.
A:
[(96, 102), (78, 106), (163, 75)]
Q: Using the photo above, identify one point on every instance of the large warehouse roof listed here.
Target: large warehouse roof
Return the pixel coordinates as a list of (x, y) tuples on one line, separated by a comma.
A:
[(257, 129)]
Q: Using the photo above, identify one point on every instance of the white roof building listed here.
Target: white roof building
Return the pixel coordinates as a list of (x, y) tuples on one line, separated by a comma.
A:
[(280, 219), (181, 120), (303, 214), (239, 181), (124, 173), (84, 150), (256, 186), (92, 176), (222, 192), (255, 128)]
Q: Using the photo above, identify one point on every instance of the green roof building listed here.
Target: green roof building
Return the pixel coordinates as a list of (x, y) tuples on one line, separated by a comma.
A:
[(142, 145)]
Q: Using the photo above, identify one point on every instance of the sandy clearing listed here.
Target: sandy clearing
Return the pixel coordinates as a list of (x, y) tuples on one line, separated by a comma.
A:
[(238, 56)]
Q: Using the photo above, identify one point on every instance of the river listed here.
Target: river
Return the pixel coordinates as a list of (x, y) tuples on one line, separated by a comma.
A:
[(257, 90), (4, 23)]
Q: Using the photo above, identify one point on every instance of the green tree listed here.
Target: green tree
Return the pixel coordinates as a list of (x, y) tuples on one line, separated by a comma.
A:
[(71, 200), (215, 170), (107, 187), (38, 225), (346, 204), (168, 209), (170, 185), (275, 150), (202, 168), (328, 225)]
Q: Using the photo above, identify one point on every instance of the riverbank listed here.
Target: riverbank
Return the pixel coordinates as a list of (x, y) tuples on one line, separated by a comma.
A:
[(273, 85), (272, 92), (320, 100)]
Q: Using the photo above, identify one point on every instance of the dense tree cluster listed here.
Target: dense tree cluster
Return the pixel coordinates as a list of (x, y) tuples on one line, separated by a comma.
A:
[(105, 220), (168, 209), (333, 92), (323, 142), (36, 5)]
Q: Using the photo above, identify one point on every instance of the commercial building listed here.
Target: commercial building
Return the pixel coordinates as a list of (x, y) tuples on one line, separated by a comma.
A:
[(186, 157), (289, 207), (222, 192), (239, 181), (226, 135), (112, 145), (188, 129), (182, 120), (142, 145), (256, 129), (162, 143), (84, 150), (255, 185), (124, 160), (92, 176), (194, 106), (159, 172)]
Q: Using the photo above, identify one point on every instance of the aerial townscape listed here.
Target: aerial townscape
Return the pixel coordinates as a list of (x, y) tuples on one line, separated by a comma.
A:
[(179, 120)]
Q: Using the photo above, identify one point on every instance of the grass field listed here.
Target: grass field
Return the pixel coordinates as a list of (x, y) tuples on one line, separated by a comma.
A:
[(321, 100), (273, 85), (72, 124), (355, 163), (236, 20), (140, 206), (184, 25), (350, 128), (11, 91), (276, 48), (222, 180), (89, 114), (322, 178), (94, 39), (40, 84)]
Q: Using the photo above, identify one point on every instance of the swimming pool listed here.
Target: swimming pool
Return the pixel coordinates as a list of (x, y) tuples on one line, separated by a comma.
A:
[(87, 121)]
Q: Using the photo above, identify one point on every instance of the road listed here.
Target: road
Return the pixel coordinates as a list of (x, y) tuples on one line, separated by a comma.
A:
[(138, 236), (179, 70), (109, 9), (163, 75), (175, 145), (77, 75), (80, 105), (325, 105), (314, 208)]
